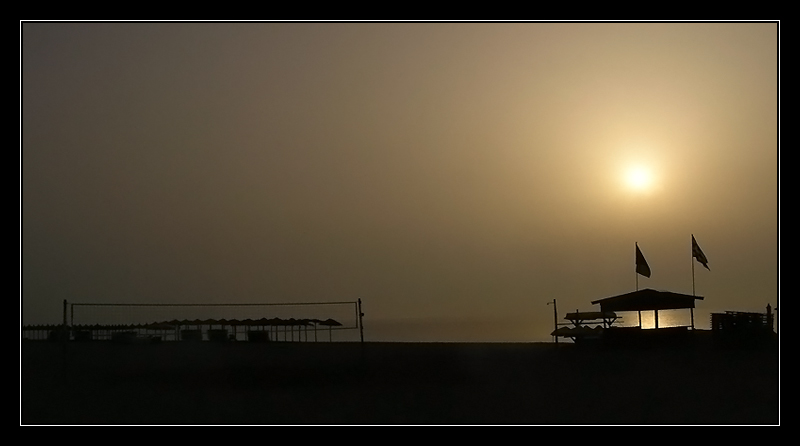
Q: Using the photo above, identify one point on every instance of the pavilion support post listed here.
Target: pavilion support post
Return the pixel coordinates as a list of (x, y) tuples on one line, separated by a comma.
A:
[(656, 317)]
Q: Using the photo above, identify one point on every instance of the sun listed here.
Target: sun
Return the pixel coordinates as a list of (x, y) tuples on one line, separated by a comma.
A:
[(639, 178)]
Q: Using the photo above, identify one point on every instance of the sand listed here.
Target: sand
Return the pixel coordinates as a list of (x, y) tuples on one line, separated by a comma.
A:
[(240, 383)]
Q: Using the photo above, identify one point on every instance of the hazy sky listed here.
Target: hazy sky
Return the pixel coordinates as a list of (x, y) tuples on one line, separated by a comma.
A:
[(456, 177)]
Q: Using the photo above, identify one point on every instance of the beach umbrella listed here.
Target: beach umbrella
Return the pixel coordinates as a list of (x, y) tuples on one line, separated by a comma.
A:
[(330, 323), (301, 324), (291, 322), (210, 322), (305, 323), (264, 322), (176, 327), (159, 326), (163, 327), (274, 323), (226, 323), (273, 326), (175, 323), (315, 322), (196, 322)]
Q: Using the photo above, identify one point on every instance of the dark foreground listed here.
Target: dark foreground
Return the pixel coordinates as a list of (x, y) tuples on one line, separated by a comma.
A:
[(387, 383)]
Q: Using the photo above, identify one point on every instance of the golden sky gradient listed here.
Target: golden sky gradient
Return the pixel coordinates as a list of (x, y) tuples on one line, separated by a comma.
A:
[(454, 176)]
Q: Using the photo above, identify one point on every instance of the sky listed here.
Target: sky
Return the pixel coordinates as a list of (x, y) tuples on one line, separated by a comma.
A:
[(458, 178)]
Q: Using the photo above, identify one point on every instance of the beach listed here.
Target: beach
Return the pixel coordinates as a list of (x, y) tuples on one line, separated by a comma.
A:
[(350, 383)]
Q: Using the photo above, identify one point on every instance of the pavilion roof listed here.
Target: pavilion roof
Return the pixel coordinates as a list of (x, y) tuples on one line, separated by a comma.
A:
[(647, 299)]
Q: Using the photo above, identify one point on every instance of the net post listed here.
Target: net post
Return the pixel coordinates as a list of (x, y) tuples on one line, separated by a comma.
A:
[(64, 339), (360, 320)]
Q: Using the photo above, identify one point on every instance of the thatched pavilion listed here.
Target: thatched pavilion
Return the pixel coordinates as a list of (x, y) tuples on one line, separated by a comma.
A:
[(648, 300)]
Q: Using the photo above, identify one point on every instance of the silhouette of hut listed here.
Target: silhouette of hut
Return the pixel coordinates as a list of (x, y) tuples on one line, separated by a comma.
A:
[(647, 300)]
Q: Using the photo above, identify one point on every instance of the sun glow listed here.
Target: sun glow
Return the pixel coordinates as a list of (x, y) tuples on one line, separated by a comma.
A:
[(638, 178)]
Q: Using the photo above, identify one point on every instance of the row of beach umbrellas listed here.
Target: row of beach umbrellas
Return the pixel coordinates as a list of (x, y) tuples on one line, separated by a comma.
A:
[(173, 324), (177, 324), (263, 322)]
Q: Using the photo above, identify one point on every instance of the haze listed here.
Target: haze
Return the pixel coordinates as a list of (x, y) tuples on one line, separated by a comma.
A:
[(456, 177)]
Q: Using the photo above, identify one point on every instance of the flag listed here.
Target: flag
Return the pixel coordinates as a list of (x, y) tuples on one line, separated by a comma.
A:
[(697, 253), (641, 264)]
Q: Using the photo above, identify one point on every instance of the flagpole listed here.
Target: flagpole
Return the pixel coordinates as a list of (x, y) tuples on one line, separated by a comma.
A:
[(691, 310), (692, 257), (635, 270), (693, 274)]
